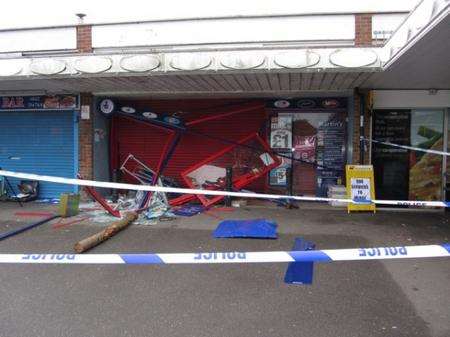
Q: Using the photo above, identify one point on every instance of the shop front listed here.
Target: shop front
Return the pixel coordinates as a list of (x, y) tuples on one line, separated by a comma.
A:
[(414, 172), (310, 133), (39, 134), (192, 142)]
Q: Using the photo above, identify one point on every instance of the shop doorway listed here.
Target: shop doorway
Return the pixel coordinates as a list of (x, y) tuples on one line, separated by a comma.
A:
[(310, 133), (404, 174), (318, 150)]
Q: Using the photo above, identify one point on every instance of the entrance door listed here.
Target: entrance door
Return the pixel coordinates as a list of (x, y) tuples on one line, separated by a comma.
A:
[(403, 174), (319, 151), (305, 142)]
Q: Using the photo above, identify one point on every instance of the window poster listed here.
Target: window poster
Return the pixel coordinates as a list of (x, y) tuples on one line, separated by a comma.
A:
[(425, 169), (278, 176), (314, 131), (281, 132), (391, 164)]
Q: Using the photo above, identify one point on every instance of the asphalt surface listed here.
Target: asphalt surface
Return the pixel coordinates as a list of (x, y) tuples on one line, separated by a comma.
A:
[(375, 298)]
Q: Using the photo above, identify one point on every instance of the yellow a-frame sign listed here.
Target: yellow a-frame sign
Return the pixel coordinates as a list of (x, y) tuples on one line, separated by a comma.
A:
[(360, 187)]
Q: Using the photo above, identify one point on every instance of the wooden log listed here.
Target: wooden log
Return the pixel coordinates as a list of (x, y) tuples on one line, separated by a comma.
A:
[(111, 230)]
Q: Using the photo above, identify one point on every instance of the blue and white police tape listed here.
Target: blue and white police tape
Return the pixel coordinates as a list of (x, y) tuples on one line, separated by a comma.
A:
[(327, 255), (155, 188), (406, 147)]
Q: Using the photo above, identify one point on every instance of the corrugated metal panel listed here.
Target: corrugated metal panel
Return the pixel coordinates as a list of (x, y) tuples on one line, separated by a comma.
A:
[(41, 142), (204, 140)]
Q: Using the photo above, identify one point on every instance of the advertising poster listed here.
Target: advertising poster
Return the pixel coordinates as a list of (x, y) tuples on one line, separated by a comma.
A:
[(330, 153), (278, 176), (305, 148), (281, 132), (425, 169)]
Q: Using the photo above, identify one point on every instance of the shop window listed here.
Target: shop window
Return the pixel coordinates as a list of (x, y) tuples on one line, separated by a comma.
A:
[(403, 174), (312, 132)]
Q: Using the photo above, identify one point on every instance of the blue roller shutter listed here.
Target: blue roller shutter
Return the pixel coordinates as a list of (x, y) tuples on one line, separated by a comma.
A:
[(40, 142)]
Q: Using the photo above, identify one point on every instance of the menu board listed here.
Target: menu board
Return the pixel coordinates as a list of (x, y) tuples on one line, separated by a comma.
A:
[(391, 164), (393, 127)]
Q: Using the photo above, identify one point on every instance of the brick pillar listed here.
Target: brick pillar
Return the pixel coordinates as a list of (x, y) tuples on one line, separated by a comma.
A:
[(363, 38), (85, 126), (85, 136), (84, 38), (363, 30), (357, 133)]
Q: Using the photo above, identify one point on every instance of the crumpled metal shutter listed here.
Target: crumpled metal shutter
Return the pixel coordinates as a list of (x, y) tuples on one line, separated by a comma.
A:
[(136, 138)]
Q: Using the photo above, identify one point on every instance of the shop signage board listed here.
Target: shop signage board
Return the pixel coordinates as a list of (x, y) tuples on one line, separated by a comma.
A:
[(360, 187), (57, 102), (310, 104)]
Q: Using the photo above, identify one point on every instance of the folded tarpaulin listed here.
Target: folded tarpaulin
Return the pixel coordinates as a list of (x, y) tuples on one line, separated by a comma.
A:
[(254, 228)]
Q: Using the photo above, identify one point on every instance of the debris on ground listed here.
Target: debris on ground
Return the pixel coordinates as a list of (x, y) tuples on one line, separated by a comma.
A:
[(108, 232), (252, 228), (188, 210), (239, 203), (27, 227)]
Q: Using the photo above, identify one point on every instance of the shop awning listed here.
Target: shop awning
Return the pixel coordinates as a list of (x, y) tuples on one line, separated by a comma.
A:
[(417, 56), (237, 72)]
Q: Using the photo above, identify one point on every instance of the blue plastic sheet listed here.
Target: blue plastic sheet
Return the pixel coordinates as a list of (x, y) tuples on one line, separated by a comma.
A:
[(254, 228), (300, 272)]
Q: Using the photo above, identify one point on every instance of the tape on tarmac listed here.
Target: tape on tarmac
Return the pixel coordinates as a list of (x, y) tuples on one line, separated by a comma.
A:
[(154, 188), (329, 255), (441, 153)]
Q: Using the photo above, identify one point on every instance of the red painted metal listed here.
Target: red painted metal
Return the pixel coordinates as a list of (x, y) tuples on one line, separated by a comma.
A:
[(223, 115), (99, 198), (239, 181), (131, 136)]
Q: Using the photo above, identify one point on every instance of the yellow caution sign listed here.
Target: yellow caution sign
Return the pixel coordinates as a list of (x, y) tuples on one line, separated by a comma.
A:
[(360, 187)]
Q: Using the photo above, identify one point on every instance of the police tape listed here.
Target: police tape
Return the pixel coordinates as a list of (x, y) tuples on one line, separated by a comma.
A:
[(165, 189), (406, 147), (328, 255)]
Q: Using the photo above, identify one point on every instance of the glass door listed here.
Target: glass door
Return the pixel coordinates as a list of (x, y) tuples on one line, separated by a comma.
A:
[(408, 174)]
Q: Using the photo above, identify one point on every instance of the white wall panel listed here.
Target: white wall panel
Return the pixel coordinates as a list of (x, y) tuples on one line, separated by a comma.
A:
[(38, 40), (301, 28), (411, 99), (383, 25)]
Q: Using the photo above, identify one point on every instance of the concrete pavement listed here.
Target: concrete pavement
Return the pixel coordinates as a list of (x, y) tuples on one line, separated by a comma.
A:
[(376, 298)]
